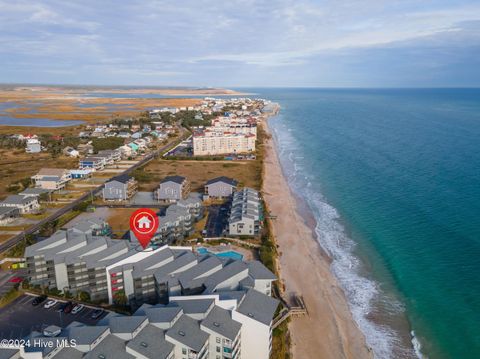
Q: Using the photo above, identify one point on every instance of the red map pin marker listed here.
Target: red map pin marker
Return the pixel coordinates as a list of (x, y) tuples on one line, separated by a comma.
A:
[(144, 223)]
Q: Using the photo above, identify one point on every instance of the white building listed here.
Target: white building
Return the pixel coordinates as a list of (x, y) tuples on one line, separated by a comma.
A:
[(210, 143)]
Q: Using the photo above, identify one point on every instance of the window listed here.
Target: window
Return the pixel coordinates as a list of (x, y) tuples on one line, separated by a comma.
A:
[(219, 349), (219, 340), (184, 351)]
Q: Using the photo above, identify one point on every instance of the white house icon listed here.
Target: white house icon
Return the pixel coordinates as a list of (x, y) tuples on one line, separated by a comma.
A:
[(144, 223)]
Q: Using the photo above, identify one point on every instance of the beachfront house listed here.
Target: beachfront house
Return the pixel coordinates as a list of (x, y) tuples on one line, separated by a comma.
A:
[(52, 178), (81, 174), (133, 146), (109, 156), (33, 146), (120, 188), (34, 192), (70, 151), (126, 151), (220, 187), (25, 204), (173, 188), (8, 214), (95, 163)]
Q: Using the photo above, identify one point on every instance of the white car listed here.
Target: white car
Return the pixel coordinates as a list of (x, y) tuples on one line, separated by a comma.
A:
[(50, 304), (78, 308)]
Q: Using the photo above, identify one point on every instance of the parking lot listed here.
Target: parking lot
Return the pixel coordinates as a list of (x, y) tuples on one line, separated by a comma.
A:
[(217, 219), (20, 317)]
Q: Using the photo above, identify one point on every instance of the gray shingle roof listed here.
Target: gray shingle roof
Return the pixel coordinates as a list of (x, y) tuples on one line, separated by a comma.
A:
[(220, 321), (151, 343), (258, 271), (224, 179), (258, 306), (176, 179), (124, 324), (187, 331), (230, 270), (111, 347), (17, 199), (86, 335), (69, 353), (157, 315), (194, 306)]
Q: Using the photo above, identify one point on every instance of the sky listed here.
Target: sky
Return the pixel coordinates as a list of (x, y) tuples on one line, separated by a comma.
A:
[(242, 43)]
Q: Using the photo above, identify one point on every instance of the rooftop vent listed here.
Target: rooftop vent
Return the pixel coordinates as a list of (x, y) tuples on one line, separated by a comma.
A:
[(250, 315), (216, 324), (143, 344), (182, 333), (101, 356)]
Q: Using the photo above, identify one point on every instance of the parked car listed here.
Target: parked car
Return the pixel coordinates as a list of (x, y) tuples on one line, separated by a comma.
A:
[(68, 307), (15, 280), (39, 299), (50, 303), (97, 313), (78, 308)]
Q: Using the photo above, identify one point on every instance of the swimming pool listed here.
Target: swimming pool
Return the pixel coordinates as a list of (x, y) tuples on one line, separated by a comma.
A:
[(226, 254)]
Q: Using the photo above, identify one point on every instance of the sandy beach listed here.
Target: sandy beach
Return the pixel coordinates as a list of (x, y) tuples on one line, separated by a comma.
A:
[(329, 330)]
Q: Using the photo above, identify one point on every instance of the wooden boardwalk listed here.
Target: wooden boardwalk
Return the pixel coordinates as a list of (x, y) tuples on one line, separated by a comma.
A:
[(294, 305)]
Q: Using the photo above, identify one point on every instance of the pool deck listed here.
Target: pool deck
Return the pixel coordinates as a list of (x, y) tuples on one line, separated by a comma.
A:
[(247, 254)]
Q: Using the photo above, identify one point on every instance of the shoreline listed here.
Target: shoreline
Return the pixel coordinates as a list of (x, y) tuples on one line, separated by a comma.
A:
[(328, 331)]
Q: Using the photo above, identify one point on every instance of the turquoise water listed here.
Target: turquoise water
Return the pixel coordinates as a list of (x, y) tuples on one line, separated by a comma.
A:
[(393, 179), (226, 254)]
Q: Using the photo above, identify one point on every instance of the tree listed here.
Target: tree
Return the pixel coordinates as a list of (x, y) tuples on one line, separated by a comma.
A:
[(84, 296), (120, 298)]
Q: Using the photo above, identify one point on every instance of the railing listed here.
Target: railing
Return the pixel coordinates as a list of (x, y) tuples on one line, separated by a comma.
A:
[(295, 307)]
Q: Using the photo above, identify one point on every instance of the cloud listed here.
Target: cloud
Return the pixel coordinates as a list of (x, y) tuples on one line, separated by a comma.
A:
[(201, 39)]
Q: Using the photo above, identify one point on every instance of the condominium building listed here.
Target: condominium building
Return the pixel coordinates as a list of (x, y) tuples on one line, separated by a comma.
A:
[(225, 325), (210, 143), (246, 213), (81, 259)]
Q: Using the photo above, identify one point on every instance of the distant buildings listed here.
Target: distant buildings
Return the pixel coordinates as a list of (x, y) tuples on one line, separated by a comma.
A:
[(25, 204), (173, 188), (211, 143), (70, 151), (33, 146), (220, 187), (52, 178), (245, 214), (8, 214), (95, 163), (120, 188)]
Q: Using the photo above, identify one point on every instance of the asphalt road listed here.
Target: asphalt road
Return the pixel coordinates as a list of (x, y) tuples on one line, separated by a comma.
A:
[(20, 317), (61, 211)]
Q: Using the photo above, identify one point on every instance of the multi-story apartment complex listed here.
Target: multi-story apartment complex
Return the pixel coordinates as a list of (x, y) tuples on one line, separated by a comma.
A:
[(83, 259), (210, 143), (221, 326), (246, 213), (244, 125)]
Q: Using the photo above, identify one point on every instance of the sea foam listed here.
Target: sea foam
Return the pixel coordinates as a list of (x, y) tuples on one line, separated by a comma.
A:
[(361, 292)]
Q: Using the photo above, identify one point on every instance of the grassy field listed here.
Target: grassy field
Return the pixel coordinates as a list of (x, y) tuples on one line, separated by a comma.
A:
[(247, 173), (16, 165)]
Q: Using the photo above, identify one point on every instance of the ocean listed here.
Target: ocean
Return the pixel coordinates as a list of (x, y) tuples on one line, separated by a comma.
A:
[(392, 177)]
